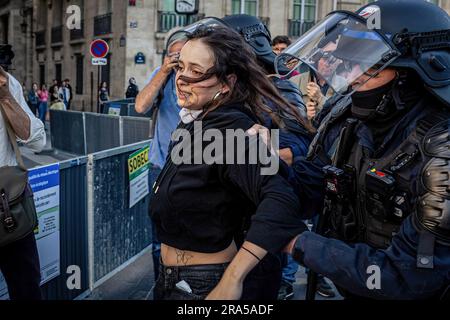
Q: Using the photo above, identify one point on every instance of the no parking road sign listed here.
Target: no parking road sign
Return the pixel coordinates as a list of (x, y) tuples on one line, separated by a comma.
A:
[(99, 48)]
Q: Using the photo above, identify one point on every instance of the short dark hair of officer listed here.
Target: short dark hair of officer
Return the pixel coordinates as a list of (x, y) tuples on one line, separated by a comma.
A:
[(279, 43)]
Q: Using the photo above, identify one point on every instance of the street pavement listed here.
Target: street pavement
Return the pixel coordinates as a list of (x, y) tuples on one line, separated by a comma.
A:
[(47, 156)]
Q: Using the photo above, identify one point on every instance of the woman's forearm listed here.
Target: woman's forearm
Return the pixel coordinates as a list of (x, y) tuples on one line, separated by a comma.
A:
[(231, 285), (244, 261)]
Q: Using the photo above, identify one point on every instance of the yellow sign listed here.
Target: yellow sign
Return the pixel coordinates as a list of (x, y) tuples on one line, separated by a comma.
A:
[(138, 162)]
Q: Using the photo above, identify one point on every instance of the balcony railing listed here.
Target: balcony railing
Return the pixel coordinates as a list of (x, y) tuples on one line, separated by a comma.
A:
[(169, 20), (298, 28), (76, 34), (40, 38), (57, 34), (102, 24)]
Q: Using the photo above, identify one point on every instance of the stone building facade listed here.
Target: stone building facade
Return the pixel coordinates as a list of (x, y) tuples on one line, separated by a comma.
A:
[(135, 30)]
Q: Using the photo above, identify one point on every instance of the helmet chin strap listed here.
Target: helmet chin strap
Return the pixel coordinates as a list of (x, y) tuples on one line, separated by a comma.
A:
[(400, 81), (361, 102), (386, 106)]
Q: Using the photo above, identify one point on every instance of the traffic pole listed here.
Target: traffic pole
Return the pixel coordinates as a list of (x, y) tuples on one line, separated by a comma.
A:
[(98, 89)]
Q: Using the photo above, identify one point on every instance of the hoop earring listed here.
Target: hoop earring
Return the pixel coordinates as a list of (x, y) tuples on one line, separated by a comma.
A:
[(217, 95)]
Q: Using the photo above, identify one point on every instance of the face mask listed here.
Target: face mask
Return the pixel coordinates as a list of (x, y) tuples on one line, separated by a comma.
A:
[(367, 104)]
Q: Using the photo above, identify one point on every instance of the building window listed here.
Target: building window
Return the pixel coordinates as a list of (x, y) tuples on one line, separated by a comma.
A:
[(58, 72), (304, 17), (57, 11), (169, 5), (245, 6), (108, 6), (79, 74), (42, 74), (4, 21), (104, 7), (305, 10), (42, 15), (168, 19)]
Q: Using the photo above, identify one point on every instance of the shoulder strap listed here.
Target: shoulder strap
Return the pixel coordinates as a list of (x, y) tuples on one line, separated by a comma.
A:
[(12, 139)]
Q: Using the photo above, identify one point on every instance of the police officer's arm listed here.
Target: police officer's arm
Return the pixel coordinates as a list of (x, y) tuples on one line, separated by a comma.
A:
[(17, 117), (146, 98), (380, 274), (307, 179)]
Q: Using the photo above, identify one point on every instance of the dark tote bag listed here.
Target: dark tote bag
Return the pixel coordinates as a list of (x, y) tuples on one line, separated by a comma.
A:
[(18, 216)]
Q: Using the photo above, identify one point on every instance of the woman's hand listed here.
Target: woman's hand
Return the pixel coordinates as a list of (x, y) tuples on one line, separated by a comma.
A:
[(226, 290)]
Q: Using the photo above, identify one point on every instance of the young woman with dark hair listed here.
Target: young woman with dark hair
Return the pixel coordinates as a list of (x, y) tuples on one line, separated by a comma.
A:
[(199, 209)]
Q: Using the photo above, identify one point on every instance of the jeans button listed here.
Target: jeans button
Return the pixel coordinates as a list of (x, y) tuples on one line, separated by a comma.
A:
[(169, 271)]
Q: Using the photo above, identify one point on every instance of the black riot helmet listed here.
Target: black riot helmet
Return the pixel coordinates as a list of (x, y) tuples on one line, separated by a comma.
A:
[(411, 34), (256, 34)]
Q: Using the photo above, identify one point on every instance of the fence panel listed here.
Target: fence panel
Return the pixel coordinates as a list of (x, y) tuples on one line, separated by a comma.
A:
[(73, 230), (67, 131), (135, 129), (118, 233), (102, 132)]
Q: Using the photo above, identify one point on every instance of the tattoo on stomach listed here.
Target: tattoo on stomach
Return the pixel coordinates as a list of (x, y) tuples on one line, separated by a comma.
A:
[(183, 257)]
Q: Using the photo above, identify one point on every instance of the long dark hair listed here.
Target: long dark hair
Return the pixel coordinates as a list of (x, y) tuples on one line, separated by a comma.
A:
[(252, 87)]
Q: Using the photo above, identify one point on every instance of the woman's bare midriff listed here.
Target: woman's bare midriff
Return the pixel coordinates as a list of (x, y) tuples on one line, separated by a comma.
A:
[(172, 257)]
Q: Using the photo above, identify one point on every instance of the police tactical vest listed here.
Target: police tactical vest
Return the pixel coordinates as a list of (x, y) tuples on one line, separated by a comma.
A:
[(372, 197)]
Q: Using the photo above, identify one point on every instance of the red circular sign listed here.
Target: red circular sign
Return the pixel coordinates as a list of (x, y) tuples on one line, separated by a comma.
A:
[(99, 48)]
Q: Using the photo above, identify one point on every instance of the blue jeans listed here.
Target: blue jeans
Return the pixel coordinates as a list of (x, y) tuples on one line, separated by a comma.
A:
[(289, 270), (201, 279), (42, 111), (156, 244)]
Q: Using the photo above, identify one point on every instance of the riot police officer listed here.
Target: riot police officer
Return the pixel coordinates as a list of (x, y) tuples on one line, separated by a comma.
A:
[(379, 166)]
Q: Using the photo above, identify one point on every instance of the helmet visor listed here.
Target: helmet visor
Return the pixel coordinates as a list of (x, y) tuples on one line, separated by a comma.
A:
[(341, 49)]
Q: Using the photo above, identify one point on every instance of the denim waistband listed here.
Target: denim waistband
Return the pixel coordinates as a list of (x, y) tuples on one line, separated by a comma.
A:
[(180, 270), (200, 279)]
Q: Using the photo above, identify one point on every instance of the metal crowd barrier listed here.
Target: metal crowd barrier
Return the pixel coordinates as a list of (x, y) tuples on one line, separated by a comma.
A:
[(99, 233), (102, 132), (73, 230), (82, 133), (68, 131), (117, 233), (123, 107)]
